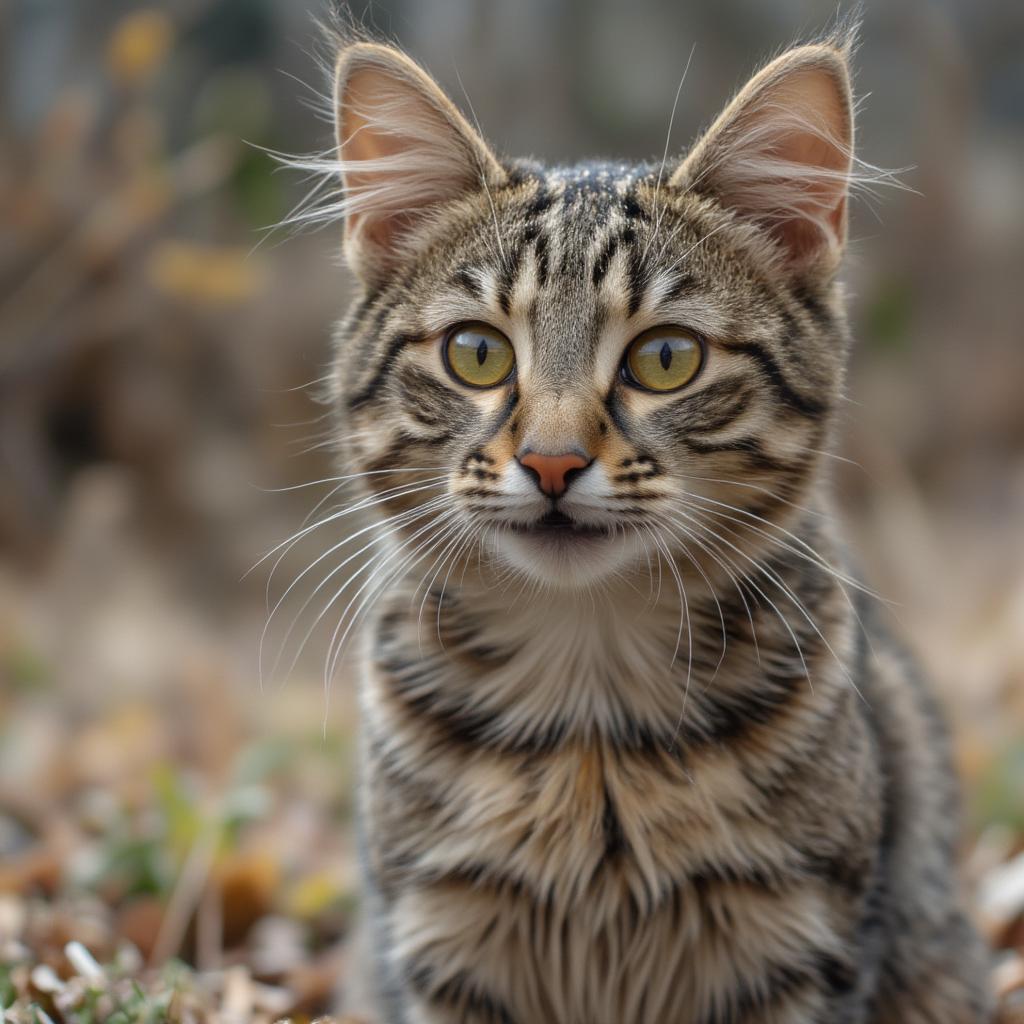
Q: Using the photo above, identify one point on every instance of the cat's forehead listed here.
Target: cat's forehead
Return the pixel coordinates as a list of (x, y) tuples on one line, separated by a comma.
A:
[(563, 255), (587, 192), (571, 255)]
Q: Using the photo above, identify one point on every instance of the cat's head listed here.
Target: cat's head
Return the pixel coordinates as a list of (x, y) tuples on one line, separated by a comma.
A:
[(573, 371)]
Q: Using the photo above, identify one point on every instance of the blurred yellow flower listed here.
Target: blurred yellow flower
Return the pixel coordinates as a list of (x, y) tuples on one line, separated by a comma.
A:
[(203, 273), (138, 45), (313, 895)]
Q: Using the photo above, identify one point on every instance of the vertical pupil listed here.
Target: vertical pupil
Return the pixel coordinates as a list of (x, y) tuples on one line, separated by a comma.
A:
[(481, 352), (666, 356)]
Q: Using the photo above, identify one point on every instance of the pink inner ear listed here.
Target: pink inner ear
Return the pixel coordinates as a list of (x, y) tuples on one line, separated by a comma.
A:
[(362, 142), (815, 97), (781, 155), (813, 137), (804, 238), (403, 148)]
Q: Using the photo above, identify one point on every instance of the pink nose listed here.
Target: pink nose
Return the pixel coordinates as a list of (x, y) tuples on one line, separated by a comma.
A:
[(552, 472)]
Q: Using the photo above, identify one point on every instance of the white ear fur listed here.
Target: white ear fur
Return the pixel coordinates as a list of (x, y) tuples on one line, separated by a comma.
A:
[(781, 154), (403, 148)]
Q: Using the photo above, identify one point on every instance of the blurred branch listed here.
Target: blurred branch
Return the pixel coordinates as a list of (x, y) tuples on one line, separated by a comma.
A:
[(104, 235)]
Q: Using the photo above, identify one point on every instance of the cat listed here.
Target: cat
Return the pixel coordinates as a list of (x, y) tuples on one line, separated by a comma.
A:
[(635, 747)]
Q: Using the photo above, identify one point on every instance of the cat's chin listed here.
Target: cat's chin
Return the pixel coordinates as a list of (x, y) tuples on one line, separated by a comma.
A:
[(568, 559)]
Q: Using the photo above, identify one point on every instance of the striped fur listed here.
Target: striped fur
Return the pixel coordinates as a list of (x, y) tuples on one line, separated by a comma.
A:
[(651, 771)]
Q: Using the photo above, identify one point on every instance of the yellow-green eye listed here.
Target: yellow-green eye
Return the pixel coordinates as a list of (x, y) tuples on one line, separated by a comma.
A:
[(663, 359), (479, 356)]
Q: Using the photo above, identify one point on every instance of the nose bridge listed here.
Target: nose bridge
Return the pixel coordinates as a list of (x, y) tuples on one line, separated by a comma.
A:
[(558, 422)]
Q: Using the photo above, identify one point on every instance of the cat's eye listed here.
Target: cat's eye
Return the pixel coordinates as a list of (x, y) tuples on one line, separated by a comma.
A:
[(478, 355), (663, 359)]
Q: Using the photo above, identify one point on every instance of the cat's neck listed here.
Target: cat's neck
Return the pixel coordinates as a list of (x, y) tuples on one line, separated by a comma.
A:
[(659, 658)]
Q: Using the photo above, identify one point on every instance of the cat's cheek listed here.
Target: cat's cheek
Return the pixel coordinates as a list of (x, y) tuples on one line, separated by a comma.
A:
[(570, 564)]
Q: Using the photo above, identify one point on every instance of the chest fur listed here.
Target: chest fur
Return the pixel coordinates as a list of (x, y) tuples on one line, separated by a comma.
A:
[(624, 883)]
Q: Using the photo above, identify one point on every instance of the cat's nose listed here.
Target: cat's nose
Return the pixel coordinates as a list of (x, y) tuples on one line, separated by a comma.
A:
[(553, 473)]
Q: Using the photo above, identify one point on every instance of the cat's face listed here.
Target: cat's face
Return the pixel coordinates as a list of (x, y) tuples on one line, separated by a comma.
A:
[(574, 372)]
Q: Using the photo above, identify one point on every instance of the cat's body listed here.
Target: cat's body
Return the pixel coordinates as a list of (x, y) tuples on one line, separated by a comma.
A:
[(634, 750)]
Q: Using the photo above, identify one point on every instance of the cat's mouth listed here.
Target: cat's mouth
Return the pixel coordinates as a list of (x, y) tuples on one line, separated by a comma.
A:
[(557, 525), (561, 550)]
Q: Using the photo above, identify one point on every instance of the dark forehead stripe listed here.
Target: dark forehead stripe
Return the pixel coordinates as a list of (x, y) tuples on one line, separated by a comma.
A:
[(681, 284), (508, 274), (540, 203), (604, 259), (624, 243), (511, 267), (464, 279), (564, 214), (530, 198), (540, 248), (638, 274), (534, 231), (621, 239), (632, 209), (590, 198)]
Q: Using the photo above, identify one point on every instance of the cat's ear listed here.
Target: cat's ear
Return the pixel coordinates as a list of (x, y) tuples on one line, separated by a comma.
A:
[(403, 149), (781, 154)]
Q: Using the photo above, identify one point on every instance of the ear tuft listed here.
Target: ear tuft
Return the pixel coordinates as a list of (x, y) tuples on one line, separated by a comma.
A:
[(403, 149), (781, 155)]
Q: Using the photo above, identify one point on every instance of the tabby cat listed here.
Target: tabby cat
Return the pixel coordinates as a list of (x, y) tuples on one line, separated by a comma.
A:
[(628, 754)]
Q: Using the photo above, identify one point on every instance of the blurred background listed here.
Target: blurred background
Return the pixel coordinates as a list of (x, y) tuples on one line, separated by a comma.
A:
[(156, 343)]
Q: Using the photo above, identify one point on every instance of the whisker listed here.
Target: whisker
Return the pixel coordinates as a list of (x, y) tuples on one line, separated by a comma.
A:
[(689, 631), (714, 539), (718, 605), (809, 554), (817, 560), (362, 504), (395, 524), (798, 604), (659, 213), (674, 569), (348, 477), (336, 646), (761, 490), (483, 175), (474, 530), (736, 576), (455, 535)]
